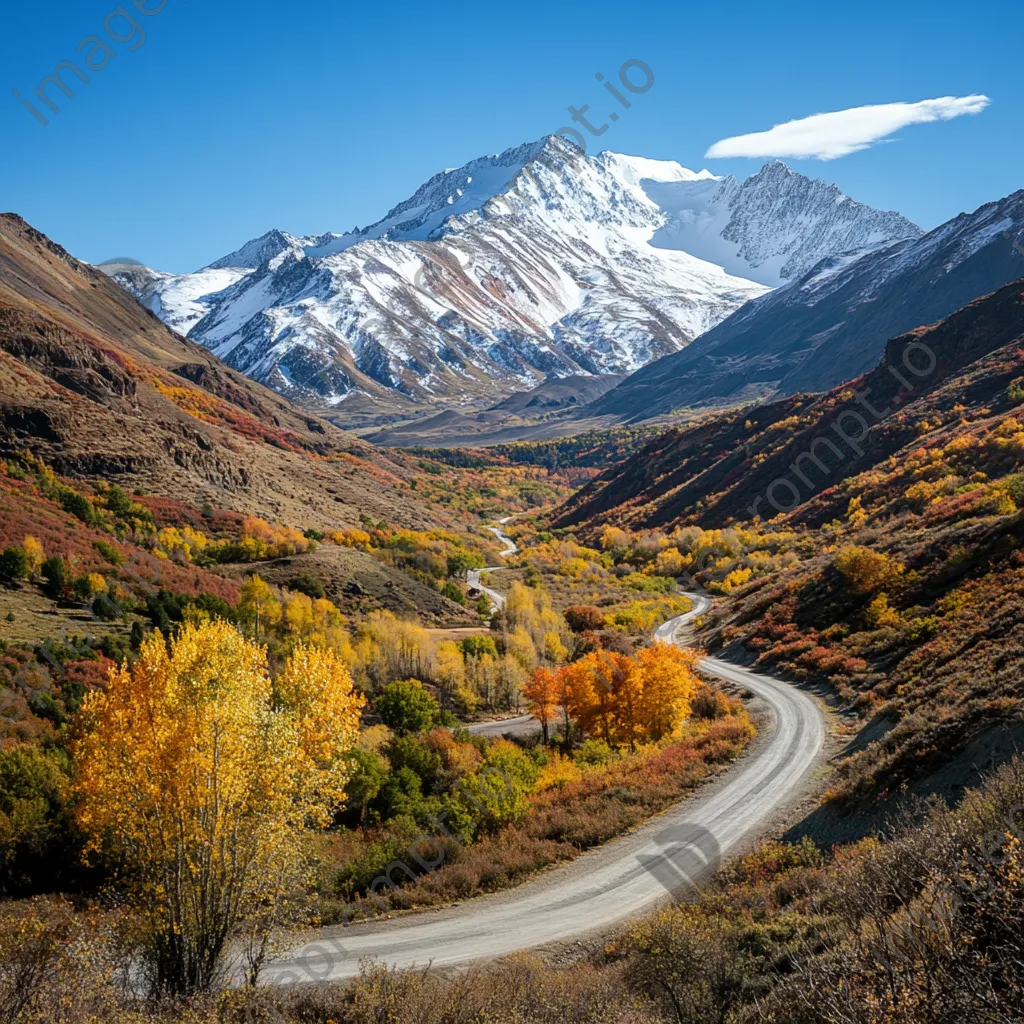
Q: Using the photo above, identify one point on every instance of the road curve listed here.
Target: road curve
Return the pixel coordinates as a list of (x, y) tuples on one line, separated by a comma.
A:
[(523, 724), (609, 884), (473, 575)]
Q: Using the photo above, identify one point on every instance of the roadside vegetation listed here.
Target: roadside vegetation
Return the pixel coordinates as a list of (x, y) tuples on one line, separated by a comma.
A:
[(331, 742), (926, 926), (499, 810)]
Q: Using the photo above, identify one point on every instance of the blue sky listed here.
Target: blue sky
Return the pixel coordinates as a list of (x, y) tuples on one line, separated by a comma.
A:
[(241, 115)]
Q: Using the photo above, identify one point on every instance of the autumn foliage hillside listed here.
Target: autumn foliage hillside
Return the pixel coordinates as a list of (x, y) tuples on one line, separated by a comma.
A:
[(906, 592)]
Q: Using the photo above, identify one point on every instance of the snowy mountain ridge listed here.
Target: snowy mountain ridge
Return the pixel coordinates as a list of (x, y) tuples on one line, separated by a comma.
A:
[(832, 324), (539, 261)]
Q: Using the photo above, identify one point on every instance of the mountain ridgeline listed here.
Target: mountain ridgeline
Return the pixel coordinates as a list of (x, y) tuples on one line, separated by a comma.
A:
[(831, 323), (491, 277)]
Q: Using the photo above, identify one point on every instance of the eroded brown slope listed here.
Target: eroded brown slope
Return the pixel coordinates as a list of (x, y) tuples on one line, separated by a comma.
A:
[(97, 386)]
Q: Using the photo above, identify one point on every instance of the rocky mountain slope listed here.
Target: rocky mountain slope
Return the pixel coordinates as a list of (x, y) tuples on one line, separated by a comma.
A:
[(771, 228), (101, 389), (832, 322), (539, 261)]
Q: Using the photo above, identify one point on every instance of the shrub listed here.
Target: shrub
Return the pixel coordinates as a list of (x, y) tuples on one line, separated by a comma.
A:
[(513, 763), (109, 552), (13, 565), (307, 584), (368, 772), (460, 561), (34, 554), (709, 704), (122, 506), (400, 795), (867, 571), (362, 866), (1014, 485), (38, 843), (572, 567), (594, 752), (584, 617), (650, 584), (105, 608), (78, 505), (412, 753), (406, 706), (116, 648), (55, 580), (86, 587)]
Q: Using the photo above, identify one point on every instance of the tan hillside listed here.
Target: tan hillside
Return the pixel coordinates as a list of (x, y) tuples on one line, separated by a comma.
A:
[(97, 386)]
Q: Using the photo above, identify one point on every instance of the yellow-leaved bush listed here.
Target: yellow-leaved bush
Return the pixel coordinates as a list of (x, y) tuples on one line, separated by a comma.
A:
[(202, 777)]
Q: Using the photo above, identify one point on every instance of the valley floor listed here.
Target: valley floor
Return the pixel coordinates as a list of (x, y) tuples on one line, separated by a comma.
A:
[(603, 888)]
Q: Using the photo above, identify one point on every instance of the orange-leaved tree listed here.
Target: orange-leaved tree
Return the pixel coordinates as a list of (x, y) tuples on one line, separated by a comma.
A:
[(201, 777), (629, 700), (615, 692), (577, 696), (541, 693)]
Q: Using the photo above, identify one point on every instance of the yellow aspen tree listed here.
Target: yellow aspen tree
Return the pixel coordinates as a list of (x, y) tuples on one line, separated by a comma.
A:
[(555, 652), (521, 647), (258, 604), (449, 667), (34, 555), (668, 685), (201, 779)]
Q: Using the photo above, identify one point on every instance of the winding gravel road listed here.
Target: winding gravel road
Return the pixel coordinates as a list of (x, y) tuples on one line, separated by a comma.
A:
[(601, 888), (473, 576), (523, 725)]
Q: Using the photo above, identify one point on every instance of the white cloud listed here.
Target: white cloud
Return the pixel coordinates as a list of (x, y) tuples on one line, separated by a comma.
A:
[(830, 136)]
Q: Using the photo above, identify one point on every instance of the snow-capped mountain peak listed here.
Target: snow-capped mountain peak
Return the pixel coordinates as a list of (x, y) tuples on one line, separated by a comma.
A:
[(536, 261), (261, 250), (774, 226)]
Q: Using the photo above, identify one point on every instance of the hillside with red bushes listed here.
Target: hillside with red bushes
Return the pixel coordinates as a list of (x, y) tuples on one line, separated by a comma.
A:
[(897, 576)]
